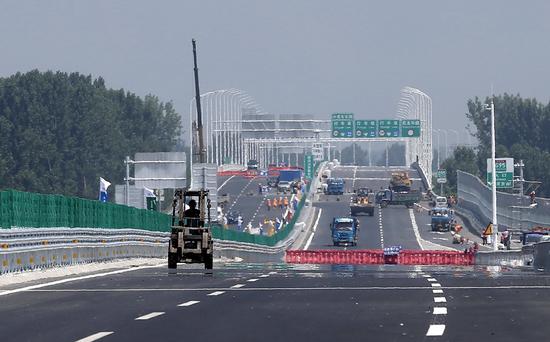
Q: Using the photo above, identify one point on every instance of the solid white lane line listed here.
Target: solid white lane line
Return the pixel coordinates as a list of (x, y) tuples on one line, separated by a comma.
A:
[(216, 293), (440, 311), (436, 330), (431, 279), (228, 179), (313, 231), (63, 281), (189, 303), (237, 286), (149, 316), (437, 291), (436, 285), (440, 300), (95, 336), (252, 280)]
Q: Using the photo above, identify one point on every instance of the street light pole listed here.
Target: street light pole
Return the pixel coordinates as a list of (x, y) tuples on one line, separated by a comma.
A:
[(494, 177)]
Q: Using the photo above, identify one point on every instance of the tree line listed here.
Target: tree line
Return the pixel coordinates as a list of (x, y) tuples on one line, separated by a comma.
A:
[(60, 132), (522, 126)]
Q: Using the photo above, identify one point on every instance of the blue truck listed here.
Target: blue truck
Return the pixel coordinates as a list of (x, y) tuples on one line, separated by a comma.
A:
[(335, 186), (442, 219), (344, 231)]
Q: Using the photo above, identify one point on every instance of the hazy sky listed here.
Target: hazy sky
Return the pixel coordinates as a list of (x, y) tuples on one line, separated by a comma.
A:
[(310, 57)]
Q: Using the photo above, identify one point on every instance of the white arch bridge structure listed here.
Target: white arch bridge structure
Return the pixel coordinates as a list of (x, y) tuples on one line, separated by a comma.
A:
[(236, 129)]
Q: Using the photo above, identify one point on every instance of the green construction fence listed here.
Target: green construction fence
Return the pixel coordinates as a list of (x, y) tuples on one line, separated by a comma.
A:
[(32, 210)]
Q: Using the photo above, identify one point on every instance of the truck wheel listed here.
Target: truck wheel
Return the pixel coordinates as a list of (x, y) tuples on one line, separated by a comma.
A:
[(208, 261), (172, 260)]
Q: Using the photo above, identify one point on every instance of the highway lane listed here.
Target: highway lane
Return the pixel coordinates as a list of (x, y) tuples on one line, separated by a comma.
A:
[(245, 198), (391, 226), (287, 303)]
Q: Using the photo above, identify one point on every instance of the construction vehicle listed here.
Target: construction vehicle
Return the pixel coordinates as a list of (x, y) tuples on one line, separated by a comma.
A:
[(400, 181), (391, 197), (335, 186), (442, 219), (362, 202), (190, 237), (344, 231)]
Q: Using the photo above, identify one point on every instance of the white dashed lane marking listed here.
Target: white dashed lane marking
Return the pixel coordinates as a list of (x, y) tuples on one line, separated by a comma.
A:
[(436, 330), (189, 303), (216, 293), (264, 276), (437, 291), (436, 285), (252, 280), (440, 311), (440, 300), (95, 336), (431, 279), (149, 316), (237, 286)]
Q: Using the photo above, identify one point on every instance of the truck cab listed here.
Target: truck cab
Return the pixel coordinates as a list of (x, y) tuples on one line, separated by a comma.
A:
[(442, 219), (335, 186), (344, 231)]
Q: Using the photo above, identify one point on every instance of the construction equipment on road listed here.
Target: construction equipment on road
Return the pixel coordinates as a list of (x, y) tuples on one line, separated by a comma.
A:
[(344, 231), (400, 181), (391, 197), (190, 236), (362, 202)]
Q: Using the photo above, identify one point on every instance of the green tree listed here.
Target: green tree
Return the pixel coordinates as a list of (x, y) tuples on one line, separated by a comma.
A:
[(60, 132)]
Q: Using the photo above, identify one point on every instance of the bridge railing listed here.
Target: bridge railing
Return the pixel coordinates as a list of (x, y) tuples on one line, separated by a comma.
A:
[(513, 211)]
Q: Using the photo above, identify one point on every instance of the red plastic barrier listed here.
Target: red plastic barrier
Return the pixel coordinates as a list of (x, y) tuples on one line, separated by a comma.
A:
[(414, 257), (355, 257), (377, 257)]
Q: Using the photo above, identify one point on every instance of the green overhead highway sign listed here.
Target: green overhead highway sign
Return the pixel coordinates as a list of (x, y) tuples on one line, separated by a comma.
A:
[(410, 128), (366, 128), (342, 125), (388, 128)]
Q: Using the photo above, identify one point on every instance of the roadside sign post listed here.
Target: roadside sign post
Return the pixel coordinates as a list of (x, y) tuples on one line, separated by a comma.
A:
[(504, 173), (318, 152), (441, 179), (308, 166), (342, 125)]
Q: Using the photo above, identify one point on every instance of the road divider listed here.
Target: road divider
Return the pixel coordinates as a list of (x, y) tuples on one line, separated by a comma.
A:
[(378, 257)]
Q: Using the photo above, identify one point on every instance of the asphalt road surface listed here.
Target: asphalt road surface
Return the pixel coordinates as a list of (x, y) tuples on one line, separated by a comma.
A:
[(245, 198), (285, 303), (391, 226)]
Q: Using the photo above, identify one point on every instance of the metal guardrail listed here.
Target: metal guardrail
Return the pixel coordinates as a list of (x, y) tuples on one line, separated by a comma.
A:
[(514, 212), (22, 249)]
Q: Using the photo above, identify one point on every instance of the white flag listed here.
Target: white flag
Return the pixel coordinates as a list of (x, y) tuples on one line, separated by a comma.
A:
[(148, 192), (103, 186)]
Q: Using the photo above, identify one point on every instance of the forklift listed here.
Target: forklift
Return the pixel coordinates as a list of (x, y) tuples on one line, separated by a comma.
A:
[(191, 236)]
